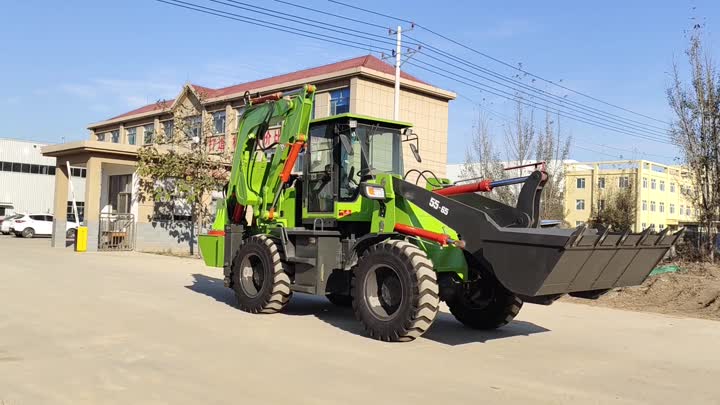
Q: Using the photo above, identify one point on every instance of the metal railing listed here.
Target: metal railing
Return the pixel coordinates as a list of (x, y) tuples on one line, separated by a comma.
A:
[(117, 232)]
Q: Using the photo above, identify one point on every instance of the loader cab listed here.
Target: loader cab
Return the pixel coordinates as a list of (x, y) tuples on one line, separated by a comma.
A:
[(343, 151)]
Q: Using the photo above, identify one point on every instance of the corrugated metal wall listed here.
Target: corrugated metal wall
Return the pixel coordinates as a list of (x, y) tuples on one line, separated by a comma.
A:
[(29, 192)]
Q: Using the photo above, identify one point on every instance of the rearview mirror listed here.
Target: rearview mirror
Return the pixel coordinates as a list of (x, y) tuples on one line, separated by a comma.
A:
[(414, 150), (346, 144)]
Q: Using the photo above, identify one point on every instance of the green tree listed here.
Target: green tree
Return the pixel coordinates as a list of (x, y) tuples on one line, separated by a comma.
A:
[(619, 211), (180, 167)]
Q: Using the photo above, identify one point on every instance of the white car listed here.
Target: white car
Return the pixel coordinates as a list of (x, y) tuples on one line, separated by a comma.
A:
[(5, 223), (32, 225)]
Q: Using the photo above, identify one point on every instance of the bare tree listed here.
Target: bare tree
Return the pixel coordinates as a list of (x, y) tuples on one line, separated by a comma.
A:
[(522, 142), (482, 160), (519, 139), (553, 147), (696, 131)]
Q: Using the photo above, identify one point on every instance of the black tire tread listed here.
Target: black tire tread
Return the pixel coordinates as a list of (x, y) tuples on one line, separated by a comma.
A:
[(425, 300), (279, 295)]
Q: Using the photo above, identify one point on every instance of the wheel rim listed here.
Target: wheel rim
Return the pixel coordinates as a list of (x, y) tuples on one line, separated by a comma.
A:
[(252, 276), (383, 292)]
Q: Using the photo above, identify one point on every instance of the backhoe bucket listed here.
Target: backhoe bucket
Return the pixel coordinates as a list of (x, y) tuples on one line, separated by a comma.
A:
[(537, 262)]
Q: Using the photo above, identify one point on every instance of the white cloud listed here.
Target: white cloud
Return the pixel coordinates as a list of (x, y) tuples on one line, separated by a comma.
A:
[(507, 28), (126, 93), (12, 100)]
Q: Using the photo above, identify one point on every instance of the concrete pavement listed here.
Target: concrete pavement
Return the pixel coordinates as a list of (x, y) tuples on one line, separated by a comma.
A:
[(117, 328)]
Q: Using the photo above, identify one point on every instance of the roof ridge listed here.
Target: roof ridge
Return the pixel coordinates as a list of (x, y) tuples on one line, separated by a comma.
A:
[(367, 61)]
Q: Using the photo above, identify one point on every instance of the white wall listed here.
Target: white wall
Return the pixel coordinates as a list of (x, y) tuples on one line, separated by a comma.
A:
[(29, 192)]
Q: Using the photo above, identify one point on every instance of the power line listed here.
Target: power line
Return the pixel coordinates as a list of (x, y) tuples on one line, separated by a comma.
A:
[(637, 125), (551, 101), (315, 10), (510, 121), (500, 61), (286, 16), (530, 87), (236, 17), (512, 97), (596, 151), (318, 36)]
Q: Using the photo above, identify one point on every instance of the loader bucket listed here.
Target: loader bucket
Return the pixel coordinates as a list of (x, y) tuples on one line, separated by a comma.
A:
[(537, 262)]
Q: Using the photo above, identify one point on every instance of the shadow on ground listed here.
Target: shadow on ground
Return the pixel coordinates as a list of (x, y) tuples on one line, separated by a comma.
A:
[(445, 330)]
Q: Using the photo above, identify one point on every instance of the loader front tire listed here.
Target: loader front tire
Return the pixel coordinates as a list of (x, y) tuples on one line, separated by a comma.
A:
[(395, 291), (260, 281), (493, 307)]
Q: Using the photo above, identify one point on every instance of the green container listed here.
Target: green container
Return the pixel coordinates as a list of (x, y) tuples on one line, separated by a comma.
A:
[(212, 249)]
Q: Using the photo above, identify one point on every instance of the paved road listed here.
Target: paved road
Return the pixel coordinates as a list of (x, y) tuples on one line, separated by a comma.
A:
[(144, 329)]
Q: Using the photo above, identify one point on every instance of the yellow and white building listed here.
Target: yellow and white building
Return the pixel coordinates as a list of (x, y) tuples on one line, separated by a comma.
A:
[(660, 192)]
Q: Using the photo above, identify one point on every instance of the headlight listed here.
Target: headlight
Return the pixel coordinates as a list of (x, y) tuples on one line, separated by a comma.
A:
[(374, 192)]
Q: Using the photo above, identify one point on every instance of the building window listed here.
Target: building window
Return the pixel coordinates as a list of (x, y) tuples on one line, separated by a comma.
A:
[(580, 182), (697, 212), (652, 206), (644, 225), (687, 211), (580, 205), (601, 205), (132, 135), (644, 205), (662, 185), (662, 206), (644, 182), (578, 223), (601, 182), (194, 128), (653, 184), (218, 122), (168, 129), (115, 136), (652, 226), (148, 134), (100, 136), (624, 182), (682, 210), (661, 226), (672, 187), (340, 101), (672, 208)]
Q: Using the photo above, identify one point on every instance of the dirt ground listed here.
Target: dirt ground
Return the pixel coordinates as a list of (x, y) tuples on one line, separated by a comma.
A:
[(693, 291)]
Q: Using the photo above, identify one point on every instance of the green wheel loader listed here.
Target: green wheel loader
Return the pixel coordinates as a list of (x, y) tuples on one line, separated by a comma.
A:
[(327, 209)]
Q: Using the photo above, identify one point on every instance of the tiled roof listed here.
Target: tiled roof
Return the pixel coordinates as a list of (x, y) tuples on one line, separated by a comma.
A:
[(367, 61)]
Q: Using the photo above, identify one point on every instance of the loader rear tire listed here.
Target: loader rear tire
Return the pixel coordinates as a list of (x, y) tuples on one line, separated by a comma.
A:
[(500, 306), (340, 300), (395, 291), (260, 281)]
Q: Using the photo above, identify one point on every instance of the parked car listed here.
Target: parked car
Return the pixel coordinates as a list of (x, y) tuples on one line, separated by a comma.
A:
[(5, 223), (32, 225)]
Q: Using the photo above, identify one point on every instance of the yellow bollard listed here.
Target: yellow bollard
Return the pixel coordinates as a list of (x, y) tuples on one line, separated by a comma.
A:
[(81, 239)]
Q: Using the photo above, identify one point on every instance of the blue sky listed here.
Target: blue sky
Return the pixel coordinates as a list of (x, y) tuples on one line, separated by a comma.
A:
[(65, 64)]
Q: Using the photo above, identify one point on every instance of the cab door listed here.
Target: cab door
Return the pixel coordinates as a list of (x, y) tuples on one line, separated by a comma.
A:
[(320, 194)]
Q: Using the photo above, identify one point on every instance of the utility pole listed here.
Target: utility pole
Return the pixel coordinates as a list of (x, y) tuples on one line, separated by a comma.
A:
[(397, 53), (398, 62)]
